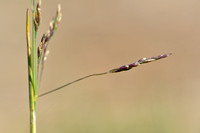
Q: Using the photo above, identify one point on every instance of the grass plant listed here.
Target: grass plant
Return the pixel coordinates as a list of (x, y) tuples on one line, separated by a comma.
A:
[(37, 54)]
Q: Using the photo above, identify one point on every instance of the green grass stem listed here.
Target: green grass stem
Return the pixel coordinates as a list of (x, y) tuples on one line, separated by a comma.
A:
[(32, 89), (92, 75)]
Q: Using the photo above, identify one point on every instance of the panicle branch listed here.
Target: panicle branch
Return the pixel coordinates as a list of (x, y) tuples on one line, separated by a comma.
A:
[(42, 48), (122, 68), (42, 51)]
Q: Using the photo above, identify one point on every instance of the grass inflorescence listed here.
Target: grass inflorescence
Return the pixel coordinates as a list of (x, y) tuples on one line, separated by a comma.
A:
[(36, 59), (37, 54)]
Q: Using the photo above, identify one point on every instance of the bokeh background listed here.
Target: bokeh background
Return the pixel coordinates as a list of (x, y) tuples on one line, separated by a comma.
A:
[(96, 36)]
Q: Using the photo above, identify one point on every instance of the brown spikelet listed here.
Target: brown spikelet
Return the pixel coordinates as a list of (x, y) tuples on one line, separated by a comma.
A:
[(141, 61), (37, 16)]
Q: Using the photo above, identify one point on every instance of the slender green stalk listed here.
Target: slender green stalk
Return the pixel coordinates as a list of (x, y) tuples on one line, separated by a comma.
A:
[(33, 45), (32, 112), (32, 93), (30, 77), (39, 76), (92, 75)]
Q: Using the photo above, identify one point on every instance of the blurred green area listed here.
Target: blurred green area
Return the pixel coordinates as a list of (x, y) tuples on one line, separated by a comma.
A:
[(96, 36)]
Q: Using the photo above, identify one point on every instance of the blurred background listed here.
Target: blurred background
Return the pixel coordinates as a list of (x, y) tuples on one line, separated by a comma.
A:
[(96, 36)]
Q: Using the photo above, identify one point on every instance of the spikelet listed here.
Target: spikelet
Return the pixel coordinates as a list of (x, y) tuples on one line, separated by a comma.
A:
[(137, 63), (37, 16)]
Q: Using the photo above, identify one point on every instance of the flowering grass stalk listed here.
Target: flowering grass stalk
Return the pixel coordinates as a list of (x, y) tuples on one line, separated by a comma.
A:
[(36, 59), (37, 55)]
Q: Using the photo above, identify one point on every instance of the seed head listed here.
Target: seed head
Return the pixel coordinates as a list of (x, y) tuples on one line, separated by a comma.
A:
[(137, 63)]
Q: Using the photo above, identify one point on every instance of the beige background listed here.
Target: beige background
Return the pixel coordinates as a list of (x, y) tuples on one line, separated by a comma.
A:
[(95, 36)]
